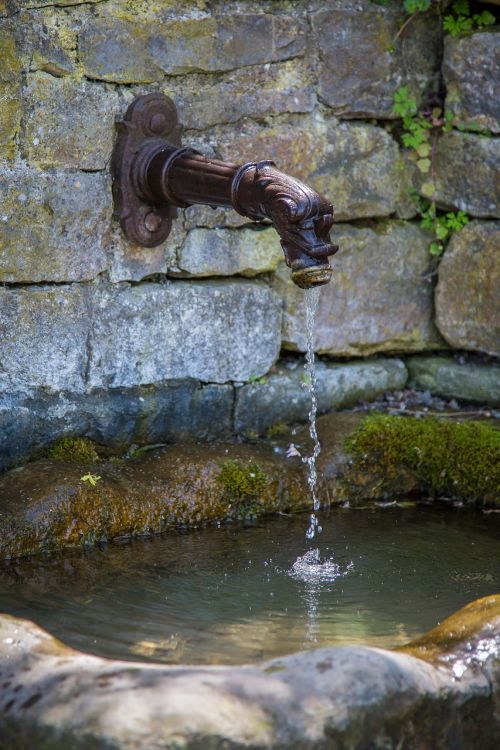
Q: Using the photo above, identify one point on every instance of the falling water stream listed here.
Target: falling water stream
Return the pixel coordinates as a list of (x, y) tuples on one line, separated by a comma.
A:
[(312, 300)]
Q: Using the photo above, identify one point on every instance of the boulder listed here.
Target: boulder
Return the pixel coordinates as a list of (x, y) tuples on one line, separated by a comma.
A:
[(380, 297), (439, 692), (471, 66), (361, 64), (468, 289), (445, 376)]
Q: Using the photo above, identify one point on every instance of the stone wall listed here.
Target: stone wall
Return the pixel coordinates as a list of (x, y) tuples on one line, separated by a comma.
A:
[(122, 343)]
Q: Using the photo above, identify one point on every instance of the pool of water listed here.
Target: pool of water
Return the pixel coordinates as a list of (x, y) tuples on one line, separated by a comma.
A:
[(237, 594)]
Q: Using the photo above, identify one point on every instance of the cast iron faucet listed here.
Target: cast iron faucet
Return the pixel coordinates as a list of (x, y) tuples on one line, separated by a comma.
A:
[(153, 174)]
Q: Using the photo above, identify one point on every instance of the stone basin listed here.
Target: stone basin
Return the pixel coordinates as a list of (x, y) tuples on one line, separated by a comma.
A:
[(441, 691)]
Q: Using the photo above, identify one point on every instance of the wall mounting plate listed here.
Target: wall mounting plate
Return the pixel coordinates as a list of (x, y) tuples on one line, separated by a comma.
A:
[(150, 120)]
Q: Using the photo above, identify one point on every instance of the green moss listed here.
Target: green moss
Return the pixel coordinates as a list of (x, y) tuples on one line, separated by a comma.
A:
[(460, 460), (278, 430), (79, 450), (243, 485)]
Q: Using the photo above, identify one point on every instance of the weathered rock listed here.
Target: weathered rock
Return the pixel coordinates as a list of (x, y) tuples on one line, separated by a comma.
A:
[(357, 166), (46, 505), (282, 398), (226, 252), (10, 91), (361, 311), (471, 66), (350, 696), (68, 123), (359, 74), (255, 91), (130, 262), (468, 289), (69, 337), (175, 411), (468, 174), (212, 331), (43, 335), (133, 52), (446, 377), (47, 41), (54, 225)]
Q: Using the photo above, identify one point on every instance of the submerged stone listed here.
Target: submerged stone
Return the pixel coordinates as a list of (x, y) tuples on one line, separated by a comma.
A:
[(352, 696)]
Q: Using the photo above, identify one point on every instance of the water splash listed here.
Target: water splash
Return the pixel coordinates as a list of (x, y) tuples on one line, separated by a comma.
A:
[(311, 569), (312, 301)]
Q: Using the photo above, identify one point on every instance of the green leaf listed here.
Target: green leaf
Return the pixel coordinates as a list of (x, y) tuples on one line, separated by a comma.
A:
[(442, 231), (485, 19), (461, 7), (424, 165), (435, 248), (428, 189), (424, 150)]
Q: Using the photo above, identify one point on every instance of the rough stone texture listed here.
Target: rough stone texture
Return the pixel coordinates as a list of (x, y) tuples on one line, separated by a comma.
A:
[(380, 297), (468, 289), (45, 505), (255, 91), (212, 331), (164, 413), (54, 225), (283, 396), (356, 165), (43, 335), (209, 44), (471, 68), (68, 337), (358, 73), (446, 377), (10, 101), (351, 696), (47, 41), (68, 123), (225, 252), (468, 174)]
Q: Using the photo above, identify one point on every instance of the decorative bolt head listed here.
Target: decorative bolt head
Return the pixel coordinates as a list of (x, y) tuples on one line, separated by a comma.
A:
[(158, 123), (152, 222)]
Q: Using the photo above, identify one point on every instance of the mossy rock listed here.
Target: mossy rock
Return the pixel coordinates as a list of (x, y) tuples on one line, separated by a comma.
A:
[(456, 460), (49, 504)]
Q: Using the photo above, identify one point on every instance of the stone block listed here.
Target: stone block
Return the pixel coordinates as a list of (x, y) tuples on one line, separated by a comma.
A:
[(471, 69), (48, 41), (117, 51), (283, 396), (43, 338), (357, 166), (212, 331), (256, 91), (69, 123), (468, 289), (10, 86), (125, 51), (131, 262), (54, 225), (361, 172), (444, 376), (468, 174), (358, 74), (167, 412), (380, 297), (226, 252)]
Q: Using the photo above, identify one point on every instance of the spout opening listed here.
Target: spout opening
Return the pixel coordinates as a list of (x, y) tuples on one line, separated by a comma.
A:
[(307, 278)]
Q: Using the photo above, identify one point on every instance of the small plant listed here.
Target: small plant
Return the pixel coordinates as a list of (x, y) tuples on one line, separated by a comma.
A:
[(461, 19), (420, 133), (257, 380), (91, 479), (441, 225), (417, 6)]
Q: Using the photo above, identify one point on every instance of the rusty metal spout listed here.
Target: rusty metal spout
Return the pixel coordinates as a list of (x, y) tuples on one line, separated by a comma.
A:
[(153, 174)]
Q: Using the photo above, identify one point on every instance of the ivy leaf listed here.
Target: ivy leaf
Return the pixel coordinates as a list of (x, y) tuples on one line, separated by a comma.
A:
[(428, 189)]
